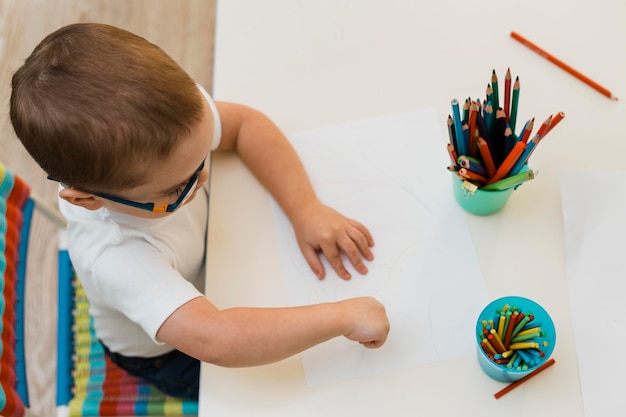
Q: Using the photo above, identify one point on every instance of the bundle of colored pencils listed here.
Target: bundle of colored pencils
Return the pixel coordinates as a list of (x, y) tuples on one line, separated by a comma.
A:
[(484, 149), (513, 339)]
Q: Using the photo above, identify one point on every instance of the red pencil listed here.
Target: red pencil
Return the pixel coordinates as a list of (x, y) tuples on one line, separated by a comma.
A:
[(515, 384), (563, 65), (544, 128)]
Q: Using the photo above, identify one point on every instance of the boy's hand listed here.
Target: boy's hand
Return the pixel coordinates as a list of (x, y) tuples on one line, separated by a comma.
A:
[(370, 325), (321, 229)]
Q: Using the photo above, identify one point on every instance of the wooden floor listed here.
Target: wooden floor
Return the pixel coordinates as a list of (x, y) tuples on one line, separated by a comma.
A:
[(184, 29)]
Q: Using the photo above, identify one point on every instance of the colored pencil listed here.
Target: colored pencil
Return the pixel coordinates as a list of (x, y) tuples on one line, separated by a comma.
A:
[(563, 65), (523, 159), (525, 133), (472, 129), (505, 184), (497, 140), (555, 120), (509, 140), (472, 176), (452, 153), (508, 162), (543, 129), (466, 109), (507, 94), (514, 104), (451, 133), (473, 165), (458, 128), (495, 98), (516, 384), (485, 153)]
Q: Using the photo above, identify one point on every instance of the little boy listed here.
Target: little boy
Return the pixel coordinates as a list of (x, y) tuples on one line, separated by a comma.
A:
[(128, 135)]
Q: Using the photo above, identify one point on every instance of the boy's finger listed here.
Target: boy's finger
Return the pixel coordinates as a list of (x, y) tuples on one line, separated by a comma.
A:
[(312, 258), (362, 243), (355, 253), (332, 254)]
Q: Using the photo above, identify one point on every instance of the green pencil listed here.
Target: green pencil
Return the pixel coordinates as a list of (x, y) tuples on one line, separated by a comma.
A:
[(513, 117), (509, 182)]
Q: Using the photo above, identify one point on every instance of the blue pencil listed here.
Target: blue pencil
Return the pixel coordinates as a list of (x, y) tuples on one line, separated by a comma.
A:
[(458, 128), (530, 146)]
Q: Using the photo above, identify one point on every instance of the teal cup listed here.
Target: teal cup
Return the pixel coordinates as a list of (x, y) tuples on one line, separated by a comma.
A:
[(481, 202), (531, 347)]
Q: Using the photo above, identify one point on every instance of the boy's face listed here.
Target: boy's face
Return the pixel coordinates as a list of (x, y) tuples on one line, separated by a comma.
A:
[(167, 180)]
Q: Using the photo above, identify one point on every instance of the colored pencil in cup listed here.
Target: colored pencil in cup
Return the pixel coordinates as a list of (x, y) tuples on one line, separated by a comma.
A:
[(514, 104), (458, 128), (507, 94)]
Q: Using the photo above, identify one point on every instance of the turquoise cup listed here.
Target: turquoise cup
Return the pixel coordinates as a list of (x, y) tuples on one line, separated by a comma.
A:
[(535, 356)]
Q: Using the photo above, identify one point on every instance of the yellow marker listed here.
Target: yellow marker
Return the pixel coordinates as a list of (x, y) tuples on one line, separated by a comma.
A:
[(498, 342), (523, 345), (501, 326), (488, 345), (508, 353), (527, 331)]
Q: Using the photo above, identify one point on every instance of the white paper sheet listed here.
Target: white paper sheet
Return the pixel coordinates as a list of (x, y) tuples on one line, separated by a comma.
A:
[(594, 217), (389, 174)]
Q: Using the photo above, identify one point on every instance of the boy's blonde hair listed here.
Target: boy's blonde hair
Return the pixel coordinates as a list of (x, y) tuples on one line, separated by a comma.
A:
[(98, 107)]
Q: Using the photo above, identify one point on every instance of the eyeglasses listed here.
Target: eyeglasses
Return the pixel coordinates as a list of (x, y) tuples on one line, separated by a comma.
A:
[(157, 208)]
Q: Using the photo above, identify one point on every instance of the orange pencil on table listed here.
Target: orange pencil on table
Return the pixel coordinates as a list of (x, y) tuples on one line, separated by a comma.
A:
[(563, 65), (515, 384), (485, 153), (508, 162)]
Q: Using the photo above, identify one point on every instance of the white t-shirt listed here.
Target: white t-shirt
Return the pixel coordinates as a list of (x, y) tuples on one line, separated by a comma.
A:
[(136, 272)]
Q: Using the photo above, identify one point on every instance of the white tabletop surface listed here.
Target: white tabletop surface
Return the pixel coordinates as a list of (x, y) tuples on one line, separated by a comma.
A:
[(309, 64)]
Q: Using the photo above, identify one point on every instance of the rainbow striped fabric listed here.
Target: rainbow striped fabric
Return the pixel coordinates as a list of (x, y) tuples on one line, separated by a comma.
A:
[(103, 389), (15, 214)]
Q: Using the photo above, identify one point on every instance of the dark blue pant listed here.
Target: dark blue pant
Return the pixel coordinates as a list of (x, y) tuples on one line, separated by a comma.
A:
[(174, 373)]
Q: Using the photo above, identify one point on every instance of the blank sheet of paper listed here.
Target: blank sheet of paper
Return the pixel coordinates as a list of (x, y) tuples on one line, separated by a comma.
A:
[(389, 174), (594, 218)]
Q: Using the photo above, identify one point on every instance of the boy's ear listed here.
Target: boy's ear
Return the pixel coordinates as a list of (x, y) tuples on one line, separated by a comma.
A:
[(81, 198)]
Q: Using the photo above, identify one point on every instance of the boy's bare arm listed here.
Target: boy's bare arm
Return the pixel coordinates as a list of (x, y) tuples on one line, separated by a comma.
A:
[(271, 158), (240, 337)]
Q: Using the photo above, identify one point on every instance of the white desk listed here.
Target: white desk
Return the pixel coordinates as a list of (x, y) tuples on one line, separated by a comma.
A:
[(310, 64)]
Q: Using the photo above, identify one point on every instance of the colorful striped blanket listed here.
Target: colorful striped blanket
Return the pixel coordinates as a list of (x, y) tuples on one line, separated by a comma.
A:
[(88, 383), (103, 389), (15, 214)]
